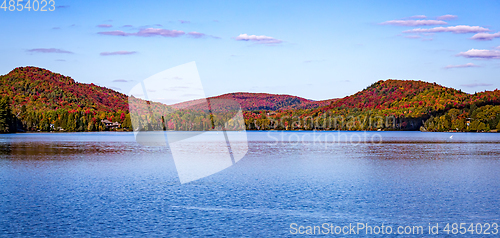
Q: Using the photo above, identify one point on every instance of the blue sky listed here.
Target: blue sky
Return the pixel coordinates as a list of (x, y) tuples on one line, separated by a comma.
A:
[(313, 49)]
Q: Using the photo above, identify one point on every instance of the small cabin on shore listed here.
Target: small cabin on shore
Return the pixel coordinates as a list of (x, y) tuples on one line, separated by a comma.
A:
[(110, 125)]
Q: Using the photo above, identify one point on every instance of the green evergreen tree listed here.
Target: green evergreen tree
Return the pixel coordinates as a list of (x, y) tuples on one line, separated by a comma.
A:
[(6, 120)]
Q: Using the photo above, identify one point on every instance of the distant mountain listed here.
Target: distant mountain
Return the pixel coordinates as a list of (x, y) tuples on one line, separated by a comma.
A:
[(260, 101)]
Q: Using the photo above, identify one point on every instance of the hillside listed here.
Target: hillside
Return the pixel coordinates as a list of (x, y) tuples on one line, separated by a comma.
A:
[(41, 89), (41, 100), (260, 101), (391, 105)]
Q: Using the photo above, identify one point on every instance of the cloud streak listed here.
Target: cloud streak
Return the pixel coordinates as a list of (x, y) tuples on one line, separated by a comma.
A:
[(418, 17), (118, 53), (461, 29), (468, 65), (104, 25), (414, 22), (113, 33), (148, 32), (258, 39), (481, 54), (447, 17), (473, 85), (50, 50), (120, 81), (485, 36)]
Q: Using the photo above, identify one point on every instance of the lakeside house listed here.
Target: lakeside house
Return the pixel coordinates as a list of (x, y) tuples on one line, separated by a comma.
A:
[(110, 125)]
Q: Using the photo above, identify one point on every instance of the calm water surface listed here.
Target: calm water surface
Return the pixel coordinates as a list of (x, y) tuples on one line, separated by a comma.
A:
[(105, 184)]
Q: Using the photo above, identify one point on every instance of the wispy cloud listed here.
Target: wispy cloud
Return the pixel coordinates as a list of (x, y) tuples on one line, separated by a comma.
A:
[(127, 26), (197, 35), (447, 17), (118, 53), (104, 25), (120, 81), (412, 36), (481, 54), (473, 85), (148, 32), (114, 33), (418, 17), (468, 65), (461, 29), (63, 6), (485, 36), (184, 22), (50, 50), (259, 39), (414, 22)]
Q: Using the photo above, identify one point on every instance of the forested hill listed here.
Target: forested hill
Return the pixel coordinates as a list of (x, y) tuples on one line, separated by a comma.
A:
[(410, 98), (40, 89), (40, 100), (406, 103), (260, 101)]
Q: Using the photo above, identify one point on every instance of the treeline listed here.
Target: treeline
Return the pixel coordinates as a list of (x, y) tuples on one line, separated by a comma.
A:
[(7, 120), (72, 120), (473, 119)]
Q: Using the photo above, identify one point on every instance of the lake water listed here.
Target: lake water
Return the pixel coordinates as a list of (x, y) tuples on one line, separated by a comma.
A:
[(105, 184)]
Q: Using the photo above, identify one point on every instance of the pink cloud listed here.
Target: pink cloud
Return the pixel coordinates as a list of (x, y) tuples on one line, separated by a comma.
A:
[(419, 17), (159, 32), (195, 34), (468, 65), (485, 36), (481, 54), (414, 22), (259, 39), (50, 50), (118, 53), (447, 17), (104, 25), (413, 37), (113, 33), (461, 29), (148, 32)]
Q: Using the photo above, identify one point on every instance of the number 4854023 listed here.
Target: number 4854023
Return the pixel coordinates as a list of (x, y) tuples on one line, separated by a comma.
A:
[(35, 5)]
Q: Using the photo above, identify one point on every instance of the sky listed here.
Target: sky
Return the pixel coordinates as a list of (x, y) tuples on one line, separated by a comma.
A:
[(312, 49)]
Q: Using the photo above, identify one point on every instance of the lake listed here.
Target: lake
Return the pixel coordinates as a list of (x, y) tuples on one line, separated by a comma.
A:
[(106, 184)]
